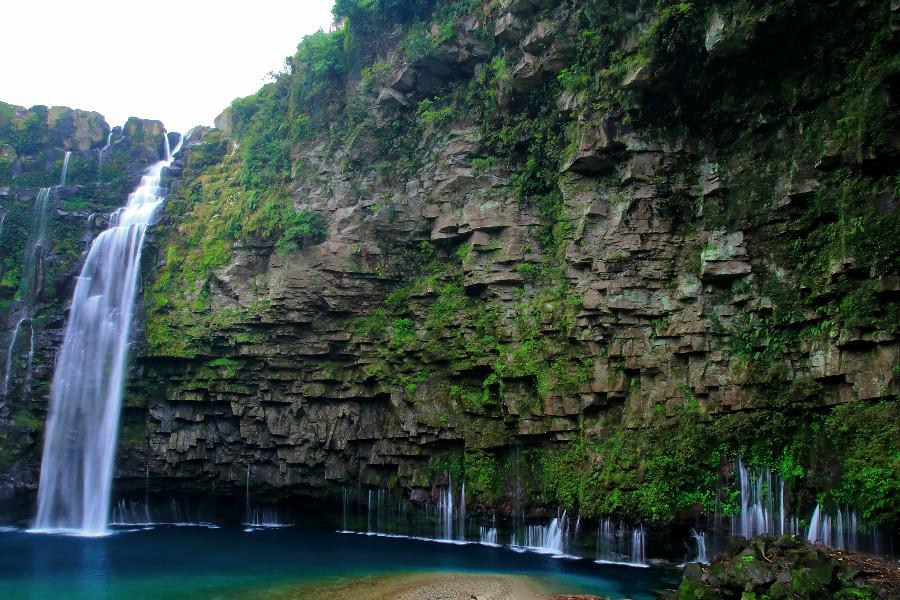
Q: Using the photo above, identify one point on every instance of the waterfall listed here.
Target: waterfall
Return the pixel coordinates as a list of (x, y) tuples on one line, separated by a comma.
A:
[(265, 518), (86, 392), (761, 511), (345, 501), (462, 511), (32, 271), (65, 168), (451, 512), (10, 354), (131, 513), (615, 545), (840, 531), (637, 546), (30, 284), (700, 539), (102, 150), (488, 536), (445, 508), (546, 539)]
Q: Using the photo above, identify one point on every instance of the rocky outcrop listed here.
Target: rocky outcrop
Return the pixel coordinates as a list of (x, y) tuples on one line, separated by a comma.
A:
[(788, 568)]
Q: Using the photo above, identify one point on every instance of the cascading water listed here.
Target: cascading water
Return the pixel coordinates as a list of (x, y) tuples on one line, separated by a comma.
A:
[(265, 518), (488, 536), (131, 513), (31, 283), (86, 393), (65, 168), (762, 504), (11, 353), (547, 539), (616, 546), (700, 539), (637, 546), (445, 508), (840, 530), (100, 153)]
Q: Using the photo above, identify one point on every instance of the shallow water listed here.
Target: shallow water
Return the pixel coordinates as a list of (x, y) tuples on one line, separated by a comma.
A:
[(168, 562)]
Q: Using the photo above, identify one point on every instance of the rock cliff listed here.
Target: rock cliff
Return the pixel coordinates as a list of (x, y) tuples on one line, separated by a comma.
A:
[(625, 242), (579, 254)]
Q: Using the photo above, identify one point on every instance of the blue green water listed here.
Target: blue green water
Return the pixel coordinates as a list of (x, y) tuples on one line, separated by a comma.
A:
[(229, 563)]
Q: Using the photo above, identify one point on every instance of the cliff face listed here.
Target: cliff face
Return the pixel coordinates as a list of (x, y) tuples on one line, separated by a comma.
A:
[(580, 254), (46, 225), (607, 247)]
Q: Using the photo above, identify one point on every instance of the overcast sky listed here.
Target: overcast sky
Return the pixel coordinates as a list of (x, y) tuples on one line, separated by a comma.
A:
[(178, 61)]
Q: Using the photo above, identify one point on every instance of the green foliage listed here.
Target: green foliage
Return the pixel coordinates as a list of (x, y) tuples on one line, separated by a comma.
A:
[(864, 437), (756, 340), (300, 227), (483, 476), (447, 464), (210, 152), (428, 113)]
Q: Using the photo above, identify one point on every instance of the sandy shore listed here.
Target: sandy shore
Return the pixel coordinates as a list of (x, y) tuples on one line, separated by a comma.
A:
[(416, 586)]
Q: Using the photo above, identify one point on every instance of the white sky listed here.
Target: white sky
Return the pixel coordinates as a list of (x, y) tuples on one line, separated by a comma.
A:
[(178, 61)]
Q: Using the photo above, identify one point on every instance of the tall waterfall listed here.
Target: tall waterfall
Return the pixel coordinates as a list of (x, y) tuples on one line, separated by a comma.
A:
[(86, 394)]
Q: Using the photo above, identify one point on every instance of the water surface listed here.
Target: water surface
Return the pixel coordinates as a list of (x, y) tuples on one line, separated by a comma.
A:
[(170, 562)]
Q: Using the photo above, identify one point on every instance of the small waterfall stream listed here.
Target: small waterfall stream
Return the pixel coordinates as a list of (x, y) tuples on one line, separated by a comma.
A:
[(840, 530), (546, 539), (65, 168), (616, 545), (700, 539), (100, 154), (762, 508), (86, 393), (30, 284)]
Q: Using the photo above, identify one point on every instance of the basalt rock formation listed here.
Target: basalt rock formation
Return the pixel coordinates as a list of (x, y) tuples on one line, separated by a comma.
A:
[(578, 254)]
